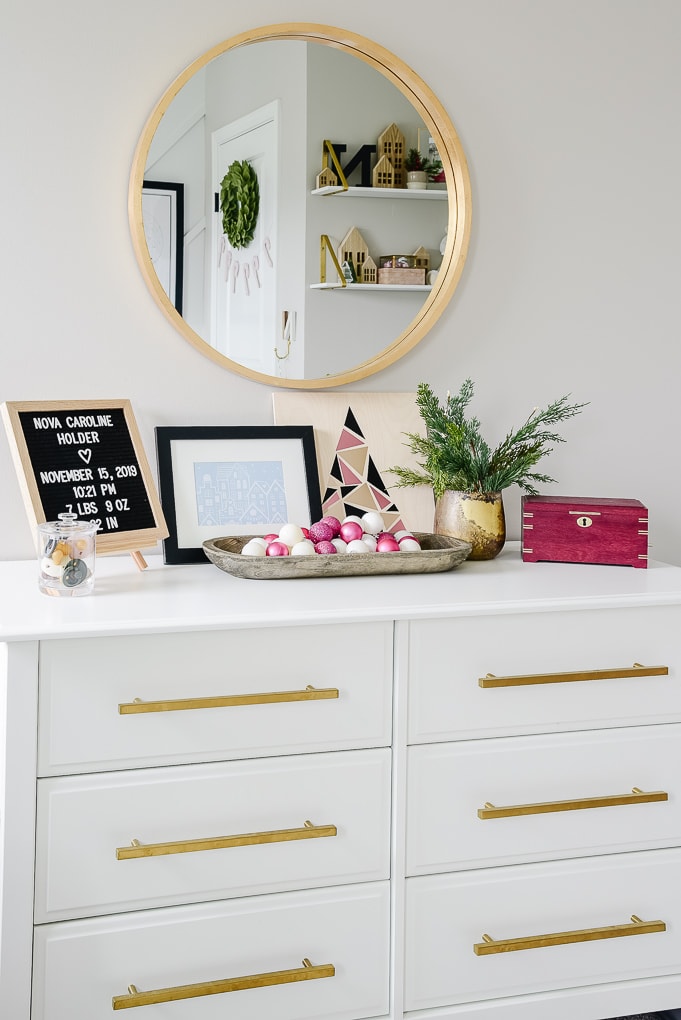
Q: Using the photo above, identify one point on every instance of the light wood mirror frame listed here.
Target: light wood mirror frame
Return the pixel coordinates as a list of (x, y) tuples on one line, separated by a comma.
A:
[(436, 119)]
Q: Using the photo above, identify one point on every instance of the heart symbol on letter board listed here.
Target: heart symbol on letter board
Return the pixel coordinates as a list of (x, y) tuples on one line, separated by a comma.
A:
[(85, 455)]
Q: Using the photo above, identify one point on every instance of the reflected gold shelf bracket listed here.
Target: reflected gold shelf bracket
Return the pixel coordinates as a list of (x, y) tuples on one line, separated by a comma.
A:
[(581, 804), (637, 670), (490, 946), (187, 846), (307, 972), (309, 693), (328, 150), (325, 247)]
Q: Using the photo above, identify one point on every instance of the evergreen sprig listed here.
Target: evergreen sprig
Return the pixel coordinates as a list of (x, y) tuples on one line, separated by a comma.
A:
[(453, 454)]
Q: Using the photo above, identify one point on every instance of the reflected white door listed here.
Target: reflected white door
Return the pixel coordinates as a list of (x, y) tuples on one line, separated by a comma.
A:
[(244, 283)]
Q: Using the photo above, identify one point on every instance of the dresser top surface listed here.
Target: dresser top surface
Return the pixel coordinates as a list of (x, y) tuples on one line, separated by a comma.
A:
[(166, 598)]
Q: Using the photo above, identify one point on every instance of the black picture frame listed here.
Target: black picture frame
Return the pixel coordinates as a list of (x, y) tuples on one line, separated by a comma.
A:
[(216, 504), (164, 231)]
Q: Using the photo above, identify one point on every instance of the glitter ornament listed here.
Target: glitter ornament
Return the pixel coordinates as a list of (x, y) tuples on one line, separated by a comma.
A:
[(325, 548), (333, 523), (321, 532)]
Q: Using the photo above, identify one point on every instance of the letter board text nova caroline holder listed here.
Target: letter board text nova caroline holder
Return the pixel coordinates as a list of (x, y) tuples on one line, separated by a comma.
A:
[(86, 457)]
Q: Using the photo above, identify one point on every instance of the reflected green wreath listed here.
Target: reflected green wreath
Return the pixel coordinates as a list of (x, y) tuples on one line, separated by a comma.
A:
[(239, 203)]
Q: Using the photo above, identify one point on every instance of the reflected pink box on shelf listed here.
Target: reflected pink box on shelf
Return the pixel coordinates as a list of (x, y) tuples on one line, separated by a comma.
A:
[(573, 529)]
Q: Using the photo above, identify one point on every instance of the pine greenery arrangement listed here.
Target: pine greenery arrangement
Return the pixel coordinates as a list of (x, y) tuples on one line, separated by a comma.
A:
[(415, 161), (453, 455)]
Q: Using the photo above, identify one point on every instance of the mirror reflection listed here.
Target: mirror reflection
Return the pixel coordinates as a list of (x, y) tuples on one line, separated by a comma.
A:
[(282, 253)]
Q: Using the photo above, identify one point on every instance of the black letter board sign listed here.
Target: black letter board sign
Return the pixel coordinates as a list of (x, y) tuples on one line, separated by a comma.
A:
[(86, 458)]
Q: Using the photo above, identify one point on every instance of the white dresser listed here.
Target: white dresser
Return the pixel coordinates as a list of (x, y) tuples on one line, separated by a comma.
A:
[(433, 796)]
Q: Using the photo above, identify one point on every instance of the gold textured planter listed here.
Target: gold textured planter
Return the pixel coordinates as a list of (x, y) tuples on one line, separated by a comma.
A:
[(475, 517)]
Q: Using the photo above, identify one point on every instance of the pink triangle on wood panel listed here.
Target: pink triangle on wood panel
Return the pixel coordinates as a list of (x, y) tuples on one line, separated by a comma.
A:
[(349, 476), (348, 440), (333, 501), (382, 501)]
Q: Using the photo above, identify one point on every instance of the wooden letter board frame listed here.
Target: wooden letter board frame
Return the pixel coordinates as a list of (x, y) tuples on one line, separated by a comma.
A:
[(120, 540)]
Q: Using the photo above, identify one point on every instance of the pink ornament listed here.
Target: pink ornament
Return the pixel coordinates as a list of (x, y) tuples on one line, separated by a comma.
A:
[(272, 537), (350, 531), (306, 532), (325, 548), (387, 544), (321, 532), (333, 523), (276, 549)]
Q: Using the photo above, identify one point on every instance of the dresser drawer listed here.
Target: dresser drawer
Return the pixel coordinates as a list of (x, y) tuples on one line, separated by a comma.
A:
[(504, 801), (192, 688), (80, 966), (448, 658), (233, 829), (547, 905)]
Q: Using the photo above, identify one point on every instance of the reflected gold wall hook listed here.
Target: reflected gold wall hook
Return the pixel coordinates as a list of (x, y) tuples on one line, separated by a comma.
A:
[(288, 329)]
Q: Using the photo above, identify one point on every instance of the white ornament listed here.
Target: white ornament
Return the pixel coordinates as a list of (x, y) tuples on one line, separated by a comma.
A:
[(253, 548), (291, 534), (372, 522), (358, 546), (304, 548)]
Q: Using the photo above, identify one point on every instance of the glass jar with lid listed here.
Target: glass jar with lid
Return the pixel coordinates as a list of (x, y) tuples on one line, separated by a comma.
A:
[(66, 556)]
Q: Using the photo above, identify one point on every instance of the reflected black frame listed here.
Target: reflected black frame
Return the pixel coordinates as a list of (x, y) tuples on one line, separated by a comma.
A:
[(176, 253)]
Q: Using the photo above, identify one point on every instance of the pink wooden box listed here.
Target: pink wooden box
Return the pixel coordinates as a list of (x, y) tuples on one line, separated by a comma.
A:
[(572, 529)]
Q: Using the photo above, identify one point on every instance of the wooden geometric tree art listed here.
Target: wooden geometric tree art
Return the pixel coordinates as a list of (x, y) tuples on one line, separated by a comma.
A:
[(354, 484)]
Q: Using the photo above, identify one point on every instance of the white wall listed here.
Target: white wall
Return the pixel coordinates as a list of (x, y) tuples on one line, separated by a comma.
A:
[(568, 112)]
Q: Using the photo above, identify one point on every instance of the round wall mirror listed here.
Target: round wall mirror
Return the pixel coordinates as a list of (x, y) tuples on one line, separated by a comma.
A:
[(271, 214)]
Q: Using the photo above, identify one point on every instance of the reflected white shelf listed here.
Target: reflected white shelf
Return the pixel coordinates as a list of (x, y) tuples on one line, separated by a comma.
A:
[(371, 286), (427, 195)]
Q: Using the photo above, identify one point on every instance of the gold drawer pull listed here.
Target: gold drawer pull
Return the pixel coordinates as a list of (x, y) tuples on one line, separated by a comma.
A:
[(636, 670), (307, 972), (614, 800), (188, 846), (563, 938), (310, 693)]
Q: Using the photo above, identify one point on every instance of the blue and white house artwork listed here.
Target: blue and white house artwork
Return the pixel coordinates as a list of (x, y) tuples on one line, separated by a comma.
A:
[(243, 492), (234, 480)]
